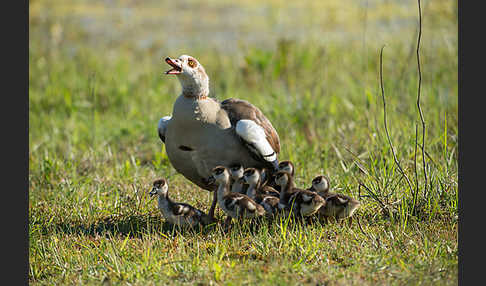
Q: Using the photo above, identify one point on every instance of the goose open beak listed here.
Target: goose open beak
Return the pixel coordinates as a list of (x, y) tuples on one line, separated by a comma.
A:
[(176, 67)]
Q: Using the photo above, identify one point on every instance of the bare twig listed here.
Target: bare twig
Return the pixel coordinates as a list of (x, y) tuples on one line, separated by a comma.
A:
[(356, 159), (415, 169), (371, 194), (384, 121), (418, 98), (369, 236)]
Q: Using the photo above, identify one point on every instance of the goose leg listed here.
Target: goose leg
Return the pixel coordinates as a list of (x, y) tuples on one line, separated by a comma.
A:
[(213, 205)]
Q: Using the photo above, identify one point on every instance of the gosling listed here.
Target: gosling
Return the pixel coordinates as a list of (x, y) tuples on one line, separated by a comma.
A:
[(180, 214), (292, 199), (235, 205), (237, 182), (338, 206), (266, 196)]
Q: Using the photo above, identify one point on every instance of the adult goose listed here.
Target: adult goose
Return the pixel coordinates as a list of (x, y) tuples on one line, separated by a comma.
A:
[(203, 133)]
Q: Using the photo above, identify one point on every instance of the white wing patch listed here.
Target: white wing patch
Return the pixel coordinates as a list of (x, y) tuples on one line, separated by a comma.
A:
[(255, 135), (162, 126)]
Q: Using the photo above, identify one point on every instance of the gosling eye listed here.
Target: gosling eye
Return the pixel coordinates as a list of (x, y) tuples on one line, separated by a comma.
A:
[(192, 63)]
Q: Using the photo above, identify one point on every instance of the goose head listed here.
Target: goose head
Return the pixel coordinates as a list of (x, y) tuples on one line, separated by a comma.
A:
[(320, 184), (286, 166), (236, 171), (160, 188), (220, 174), (191, 75), (252, 176)]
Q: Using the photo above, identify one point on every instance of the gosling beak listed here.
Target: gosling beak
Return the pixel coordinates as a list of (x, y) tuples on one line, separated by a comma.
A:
[(275, 165), (175, 64), (210, 180), (153, 192)]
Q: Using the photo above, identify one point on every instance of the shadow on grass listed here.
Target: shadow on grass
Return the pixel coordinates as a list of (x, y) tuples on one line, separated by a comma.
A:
[(132, 225), (137, 225)]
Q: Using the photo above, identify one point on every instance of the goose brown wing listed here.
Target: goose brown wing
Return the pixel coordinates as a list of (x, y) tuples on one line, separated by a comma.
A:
[(238, 109)]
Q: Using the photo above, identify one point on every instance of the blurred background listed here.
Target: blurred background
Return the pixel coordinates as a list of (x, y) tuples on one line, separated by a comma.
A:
[(156, 28)]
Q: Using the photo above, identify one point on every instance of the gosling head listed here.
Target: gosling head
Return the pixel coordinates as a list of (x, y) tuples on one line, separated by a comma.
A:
[(252, 176), (282, 178), (320, 184), (236, 171), (160, 188), (220, 174), (286, 166), (191, 75)]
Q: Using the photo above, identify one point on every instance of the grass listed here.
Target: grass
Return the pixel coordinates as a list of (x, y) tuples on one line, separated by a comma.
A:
[(96, 92)]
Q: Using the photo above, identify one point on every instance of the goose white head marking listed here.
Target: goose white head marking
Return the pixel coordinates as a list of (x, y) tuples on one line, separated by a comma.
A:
[(160, 188), (191, 75)]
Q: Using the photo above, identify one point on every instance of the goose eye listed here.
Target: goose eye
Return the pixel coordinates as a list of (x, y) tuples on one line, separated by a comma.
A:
[(191, 63)]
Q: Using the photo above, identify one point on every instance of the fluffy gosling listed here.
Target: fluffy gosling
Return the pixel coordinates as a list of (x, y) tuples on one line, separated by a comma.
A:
[(235, 205), (266, 196), (237, 182), (338, 206), (301, 202), (180, 214)]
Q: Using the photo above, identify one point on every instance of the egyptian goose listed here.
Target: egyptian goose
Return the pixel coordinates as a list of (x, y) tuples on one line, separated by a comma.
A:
[(180, 214), (337, 205), (204, 133), (235, 205), (266, 196), (298, 201)]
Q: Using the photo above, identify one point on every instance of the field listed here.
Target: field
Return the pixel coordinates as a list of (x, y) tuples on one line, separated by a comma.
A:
[(97, 90)]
